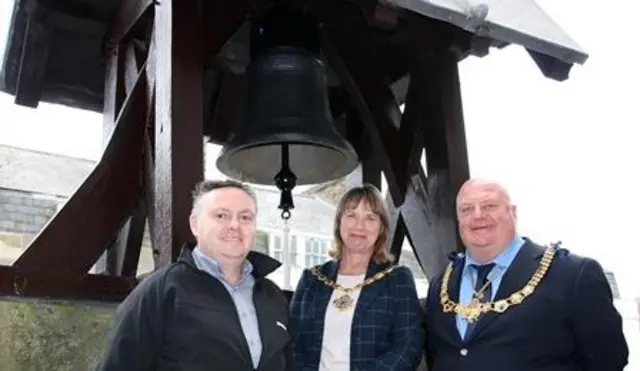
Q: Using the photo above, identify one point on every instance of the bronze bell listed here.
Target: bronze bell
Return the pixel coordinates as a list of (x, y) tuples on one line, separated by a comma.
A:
[(287, 112)]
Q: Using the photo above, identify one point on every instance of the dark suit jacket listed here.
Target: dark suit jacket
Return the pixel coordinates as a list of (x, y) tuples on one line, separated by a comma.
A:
[(385, 334), (568, 324)]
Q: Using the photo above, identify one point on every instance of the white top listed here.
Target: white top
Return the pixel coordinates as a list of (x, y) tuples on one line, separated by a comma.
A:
[(336, 340)]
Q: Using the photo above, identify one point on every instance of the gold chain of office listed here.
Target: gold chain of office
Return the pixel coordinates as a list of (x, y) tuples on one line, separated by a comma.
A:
[(345, 301), (472, 311)]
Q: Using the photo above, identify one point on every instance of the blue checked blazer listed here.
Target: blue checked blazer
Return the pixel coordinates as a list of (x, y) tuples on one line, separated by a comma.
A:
[(386, 333)]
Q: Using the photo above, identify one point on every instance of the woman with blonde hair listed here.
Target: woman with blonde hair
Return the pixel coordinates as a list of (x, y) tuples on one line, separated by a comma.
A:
[(358, 311)]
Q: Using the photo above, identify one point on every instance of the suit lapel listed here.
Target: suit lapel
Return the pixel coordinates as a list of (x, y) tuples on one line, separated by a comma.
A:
[(322, 292), (454, 294), (369, 293), (517, 275)]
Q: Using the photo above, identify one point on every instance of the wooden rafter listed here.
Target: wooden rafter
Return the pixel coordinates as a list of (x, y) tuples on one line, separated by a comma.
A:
[(428, 213), (123, 252), (33, 61)]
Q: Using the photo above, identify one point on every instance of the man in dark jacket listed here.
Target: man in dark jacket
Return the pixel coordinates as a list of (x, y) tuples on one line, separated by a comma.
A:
[(509, 304), (214, 309)]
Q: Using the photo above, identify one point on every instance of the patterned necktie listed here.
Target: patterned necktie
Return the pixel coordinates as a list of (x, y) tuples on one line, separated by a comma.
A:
[(483, 272)]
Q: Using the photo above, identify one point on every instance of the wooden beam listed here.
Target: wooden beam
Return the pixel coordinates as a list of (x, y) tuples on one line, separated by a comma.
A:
[(124, 254), (397, 231), (115, 91), (370, 170), (356, 134), (20, 283), (102, 203), (428, 217), (428, 212), (551, 67), (148, 170), (178, 122), (349, 51), (33, 59), (114, 95), (130, 13)]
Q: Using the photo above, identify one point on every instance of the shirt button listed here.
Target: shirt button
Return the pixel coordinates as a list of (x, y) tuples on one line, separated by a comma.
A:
[(464, 352)]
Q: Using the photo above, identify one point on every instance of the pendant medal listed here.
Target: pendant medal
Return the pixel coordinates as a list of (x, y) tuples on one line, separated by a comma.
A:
[(343, 303), (472, 311)]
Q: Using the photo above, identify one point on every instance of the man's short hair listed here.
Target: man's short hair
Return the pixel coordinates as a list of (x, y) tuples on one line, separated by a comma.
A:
[(206, 186)]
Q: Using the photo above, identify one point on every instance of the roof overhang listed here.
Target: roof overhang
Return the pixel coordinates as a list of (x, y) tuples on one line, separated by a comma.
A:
[(520, 22), (33, 70)]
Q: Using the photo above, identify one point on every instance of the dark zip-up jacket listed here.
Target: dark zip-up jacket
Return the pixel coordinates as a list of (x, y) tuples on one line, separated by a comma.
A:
[(181, 318)]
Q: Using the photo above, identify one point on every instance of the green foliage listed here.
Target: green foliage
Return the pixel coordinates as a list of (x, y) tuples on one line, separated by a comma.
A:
[(37, 336)]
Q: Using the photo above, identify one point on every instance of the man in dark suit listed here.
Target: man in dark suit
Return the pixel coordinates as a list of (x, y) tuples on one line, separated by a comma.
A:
[(509, 304)]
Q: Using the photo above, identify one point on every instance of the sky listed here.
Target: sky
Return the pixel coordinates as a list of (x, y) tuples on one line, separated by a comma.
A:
[(565, 150)]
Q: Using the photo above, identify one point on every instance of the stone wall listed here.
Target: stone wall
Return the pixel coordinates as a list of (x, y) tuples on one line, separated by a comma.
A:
[(22, 216), (30, 330), (23, 212)]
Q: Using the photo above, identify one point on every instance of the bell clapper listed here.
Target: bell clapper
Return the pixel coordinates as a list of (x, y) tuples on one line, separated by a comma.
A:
[(285, 181)]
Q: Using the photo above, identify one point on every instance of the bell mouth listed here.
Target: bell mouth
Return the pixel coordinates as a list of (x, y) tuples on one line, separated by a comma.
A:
[(311, 162)]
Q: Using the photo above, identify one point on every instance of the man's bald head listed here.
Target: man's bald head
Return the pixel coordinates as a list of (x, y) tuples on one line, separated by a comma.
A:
[(486, 218), (474, 184)]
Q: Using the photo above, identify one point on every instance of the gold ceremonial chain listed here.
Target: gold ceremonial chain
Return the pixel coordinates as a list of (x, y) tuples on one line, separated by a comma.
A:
[(345, 301), (472, 311)]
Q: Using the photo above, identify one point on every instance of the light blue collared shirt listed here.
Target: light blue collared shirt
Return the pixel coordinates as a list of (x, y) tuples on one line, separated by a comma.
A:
[(242, 295), (470, 275)]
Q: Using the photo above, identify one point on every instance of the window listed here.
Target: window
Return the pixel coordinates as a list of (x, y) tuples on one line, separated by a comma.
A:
[(278, 247), (315, 252), (293, 251)]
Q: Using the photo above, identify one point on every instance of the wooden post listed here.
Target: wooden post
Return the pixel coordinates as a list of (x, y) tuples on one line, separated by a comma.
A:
[(178, 122)]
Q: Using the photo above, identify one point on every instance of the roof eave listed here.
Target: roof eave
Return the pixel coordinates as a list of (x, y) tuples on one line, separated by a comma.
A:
[(554, 53), (10, 62)]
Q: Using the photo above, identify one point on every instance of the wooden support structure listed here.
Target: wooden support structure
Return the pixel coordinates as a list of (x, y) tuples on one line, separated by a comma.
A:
[(170, 75), (178, 122), (148, 169), (422, 206)]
